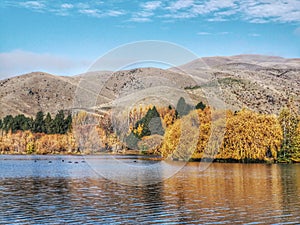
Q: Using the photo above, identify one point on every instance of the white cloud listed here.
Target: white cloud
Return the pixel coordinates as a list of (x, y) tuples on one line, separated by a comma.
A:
[(180, 4), (254, 35), (115, 13), (139, 19), (219, 33), (274, 10), (19, 62), (144, 14), (33, 4), (67, 6), (253, 11), (217, 19), (214, 5), (152, 5), (204, 33), (90, 12), (223, 33), (180, 15), (226, 13)]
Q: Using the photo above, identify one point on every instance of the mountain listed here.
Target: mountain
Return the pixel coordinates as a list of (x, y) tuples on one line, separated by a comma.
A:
[(261, 83), (30, 93)]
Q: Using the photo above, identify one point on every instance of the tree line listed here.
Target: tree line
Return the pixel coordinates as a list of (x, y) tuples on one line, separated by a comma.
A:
[(156, 120), (60, 124), (248, 136), (185, 132)]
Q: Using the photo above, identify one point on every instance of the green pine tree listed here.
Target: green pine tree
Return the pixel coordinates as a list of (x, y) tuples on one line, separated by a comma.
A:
[(38, 123), (58, 123), (67, 124), (151, 123), (48, 124), (7, 123), (200, 105), (182, 107)]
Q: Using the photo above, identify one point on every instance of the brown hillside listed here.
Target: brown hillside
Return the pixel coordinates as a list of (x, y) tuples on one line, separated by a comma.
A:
[(261, 83)]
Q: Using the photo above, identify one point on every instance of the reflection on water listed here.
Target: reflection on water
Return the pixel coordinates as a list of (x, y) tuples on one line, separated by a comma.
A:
[(57, 190)]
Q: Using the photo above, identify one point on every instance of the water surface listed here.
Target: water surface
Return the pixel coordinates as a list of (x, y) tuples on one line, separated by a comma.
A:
[(65, 189)]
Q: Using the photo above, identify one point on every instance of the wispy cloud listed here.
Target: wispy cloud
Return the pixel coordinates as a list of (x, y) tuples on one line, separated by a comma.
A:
[(204, 33), (209, 33), (272, 10), (19, 61), (180, 4), (224, 33), (253, 11), (100, 14), (89, 8), (115, 13), (139, 19), (90, 12), (217, 19), (67, 6), (254, 35), (152, 5), (35, 5), (146, 12)]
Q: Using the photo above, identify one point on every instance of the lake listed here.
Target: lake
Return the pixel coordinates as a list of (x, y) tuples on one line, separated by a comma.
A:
[(132, 190)]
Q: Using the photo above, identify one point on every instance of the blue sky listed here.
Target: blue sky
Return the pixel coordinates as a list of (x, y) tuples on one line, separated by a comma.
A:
[(64, 37)]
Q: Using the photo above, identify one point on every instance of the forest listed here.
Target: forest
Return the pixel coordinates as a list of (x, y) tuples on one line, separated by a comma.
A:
[(184, 132)]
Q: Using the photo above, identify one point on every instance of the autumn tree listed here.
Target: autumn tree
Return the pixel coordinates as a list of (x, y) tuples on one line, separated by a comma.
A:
[(180, 139), (289, 120), (295, 156), (251, 136)]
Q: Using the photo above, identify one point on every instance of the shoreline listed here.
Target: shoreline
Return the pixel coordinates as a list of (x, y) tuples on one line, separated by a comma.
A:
[(150, 157)]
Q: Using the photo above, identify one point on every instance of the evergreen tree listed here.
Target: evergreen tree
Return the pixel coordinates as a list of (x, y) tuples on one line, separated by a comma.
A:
[(131, 141), (20, 122), (7, 123), (38, 123), (27, 124), (182, 107), (59, 125), (200, 105), (59, 122), (151, 123), (68, 123), (48, 124)]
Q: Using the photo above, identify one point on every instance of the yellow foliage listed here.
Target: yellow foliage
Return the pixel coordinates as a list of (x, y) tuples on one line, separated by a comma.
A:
[(139, 130), (248, 135), (296, 143), (180, 140)]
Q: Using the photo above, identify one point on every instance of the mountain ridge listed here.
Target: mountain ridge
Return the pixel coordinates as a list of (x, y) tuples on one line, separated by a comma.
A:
[(261, 83)]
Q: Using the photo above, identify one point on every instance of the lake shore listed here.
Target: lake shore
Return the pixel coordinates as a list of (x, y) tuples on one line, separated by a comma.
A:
[(144, 156)]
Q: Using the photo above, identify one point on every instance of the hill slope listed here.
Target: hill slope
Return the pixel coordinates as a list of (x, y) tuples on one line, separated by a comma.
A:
[(261, 83), (30, 93)]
